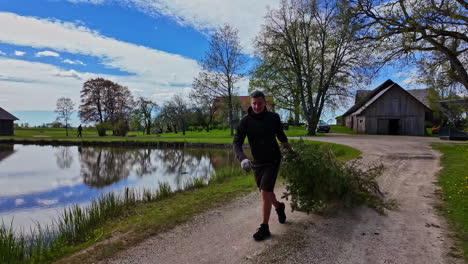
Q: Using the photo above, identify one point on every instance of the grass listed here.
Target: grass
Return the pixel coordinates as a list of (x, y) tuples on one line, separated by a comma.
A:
[(342, 130), (90, 135), (137, 214), (429, 133), (453, 180)]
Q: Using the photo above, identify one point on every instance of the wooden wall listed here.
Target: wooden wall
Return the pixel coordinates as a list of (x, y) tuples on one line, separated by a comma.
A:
[(6, 127), (395, 104)]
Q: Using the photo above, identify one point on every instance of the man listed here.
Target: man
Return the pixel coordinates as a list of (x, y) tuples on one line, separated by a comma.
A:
[(79, 131), (262, 128)]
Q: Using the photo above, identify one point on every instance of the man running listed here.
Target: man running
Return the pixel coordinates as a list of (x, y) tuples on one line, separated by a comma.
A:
[(262, 128)]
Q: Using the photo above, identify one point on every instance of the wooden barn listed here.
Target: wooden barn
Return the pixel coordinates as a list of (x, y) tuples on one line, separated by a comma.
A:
[(6, 123), (389, 110)]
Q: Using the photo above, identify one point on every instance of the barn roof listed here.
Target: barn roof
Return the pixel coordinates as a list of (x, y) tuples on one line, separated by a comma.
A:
[(364, 98), (4, 115), (421, 95)]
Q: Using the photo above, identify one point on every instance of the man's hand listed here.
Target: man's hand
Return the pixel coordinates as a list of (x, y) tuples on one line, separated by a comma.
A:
[(286, 145), (246, 165)]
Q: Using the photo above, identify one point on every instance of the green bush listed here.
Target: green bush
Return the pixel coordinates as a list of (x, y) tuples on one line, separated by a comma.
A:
[(121, 128), (315, 180), (101, 129)]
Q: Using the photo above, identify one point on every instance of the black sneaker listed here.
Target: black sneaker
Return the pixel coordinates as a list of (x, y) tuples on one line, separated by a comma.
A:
[(281, 214), (262, 233)]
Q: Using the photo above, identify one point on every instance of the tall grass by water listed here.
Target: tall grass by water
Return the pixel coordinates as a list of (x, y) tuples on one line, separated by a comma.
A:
[(81, 224)]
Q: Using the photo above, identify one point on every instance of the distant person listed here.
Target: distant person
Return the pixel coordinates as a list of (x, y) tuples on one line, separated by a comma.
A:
[(79, 131), (262, 128)]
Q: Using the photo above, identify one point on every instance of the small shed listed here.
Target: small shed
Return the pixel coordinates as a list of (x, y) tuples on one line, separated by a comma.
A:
[(6, 123), (390, 110)]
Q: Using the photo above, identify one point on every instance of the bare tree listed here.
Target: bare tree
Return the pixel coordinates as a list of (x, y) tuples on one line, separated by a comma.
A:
[(64, 110), (204, 101), (105, 101), (179, 105), (314, 43), (145, 110), (414, 29), (223, 66)]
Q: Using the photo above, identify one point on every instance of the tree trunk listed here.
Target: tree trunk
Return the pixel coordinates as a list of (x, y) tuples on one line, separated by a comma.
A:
[(230, 112)]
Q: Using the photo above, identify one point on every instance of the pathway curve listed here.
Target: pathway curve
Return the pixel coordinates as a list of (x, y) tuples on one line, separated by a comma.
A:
[(412, 234)]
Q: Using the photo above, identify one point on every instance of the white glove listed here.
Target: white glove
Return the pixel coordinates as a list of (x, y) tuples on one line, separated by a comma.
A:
[(246, 165)]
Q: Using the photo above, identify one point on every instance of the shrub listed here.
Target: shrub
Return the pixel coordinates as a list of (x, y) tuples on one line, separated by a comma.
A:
[(101, 129), (121, 128), (315, 179)]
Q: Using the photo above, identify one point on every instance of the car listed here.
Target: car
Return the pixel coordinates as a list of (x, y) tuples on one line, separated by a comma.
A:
[(323, 127)]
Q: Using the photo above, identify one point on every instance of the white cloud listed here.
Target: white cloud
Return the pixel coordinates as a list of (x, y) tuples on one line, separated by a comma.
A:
[(245, 15), (150, 71), (19, 201), (68, 37), (36, 86), (73, 62), (47, 53), (2, 53), (46, 202), (19, 53)]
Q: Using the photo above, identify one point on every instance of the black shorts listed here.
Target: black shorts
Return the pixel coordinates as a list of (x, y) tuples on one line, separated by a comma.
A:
[(265, 174)]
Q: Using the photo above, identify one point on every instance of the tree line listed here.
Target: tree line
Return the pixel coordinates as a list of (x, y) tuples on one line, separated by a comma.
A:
[(310, 55), (111, 106)]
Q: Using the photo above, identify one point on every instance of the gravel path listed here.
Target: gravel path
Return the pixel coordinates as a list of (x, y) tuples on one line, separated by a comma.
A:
[(412, 234)]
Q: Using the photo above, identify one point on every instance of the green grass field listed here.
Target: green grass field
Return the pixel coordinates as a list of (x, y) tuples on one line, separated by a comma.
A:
[(342, 129), (453, 179), (90, 134)]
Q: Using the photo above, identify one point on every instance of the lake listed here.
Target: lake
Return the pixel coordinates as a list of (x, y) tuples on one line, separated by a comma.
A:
[(38, 182)]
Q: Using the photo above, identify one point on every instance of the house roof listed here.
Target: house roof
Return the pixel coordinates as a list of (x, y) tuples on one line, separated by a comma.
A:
[(4, 115), (364, 99)]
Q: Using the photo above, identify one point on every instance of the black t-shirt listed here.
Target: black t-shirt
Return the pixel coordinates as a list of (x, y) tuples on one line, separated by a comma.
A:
[(261, 130)]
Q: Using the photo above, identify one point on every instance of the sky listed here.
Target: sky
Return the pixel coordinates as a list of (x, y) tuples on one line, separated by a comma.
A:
[(49, 48)]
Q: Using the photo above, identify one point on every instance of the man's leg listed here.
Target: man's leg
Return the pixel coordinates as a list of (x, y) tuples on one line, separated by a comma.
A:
[(268, 199)]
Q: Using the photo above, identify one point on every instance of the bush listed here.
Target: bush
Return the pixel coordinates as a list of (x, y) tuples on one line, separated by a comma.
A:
[(315, 179), (101, 129), (121, 128)]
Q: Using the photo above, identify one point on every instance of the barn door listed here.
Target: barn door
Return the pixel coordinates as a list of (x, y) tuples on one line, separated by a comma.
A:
[(382, 126)]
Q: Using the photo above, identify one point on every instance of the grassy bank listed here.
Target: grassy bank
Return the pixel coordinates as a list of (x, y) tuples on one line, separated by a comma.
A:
[(453, 179), (342, 130), (115, 222), (56, 136)]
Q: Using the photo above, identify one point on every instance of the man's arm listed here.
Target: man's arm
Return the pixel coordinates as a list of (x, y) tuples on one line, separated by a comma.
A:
[(238, 141), (281, 135)]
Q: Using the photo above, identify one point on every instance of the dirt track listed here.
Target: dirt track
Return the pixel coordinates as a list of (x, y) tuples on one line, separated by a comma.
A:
[(412, 234)]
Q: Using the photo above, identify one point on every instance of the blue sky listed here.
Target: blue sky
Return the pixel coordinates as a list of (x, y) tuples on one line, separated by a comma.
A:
[(48, 48)]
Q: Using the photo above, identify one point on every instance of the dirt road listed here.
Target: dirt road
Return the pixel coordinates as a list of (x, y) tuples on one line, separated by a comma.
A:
[(412, 234)]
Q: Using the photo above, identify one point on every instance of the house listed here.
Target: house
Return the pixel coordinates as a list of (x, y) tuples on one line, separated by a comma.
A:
[(389, 109), (6, 123)]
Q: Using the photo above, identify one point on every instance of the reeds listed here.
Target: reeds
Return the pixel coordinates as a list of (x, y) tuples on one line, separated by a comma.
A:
[(79, 224)]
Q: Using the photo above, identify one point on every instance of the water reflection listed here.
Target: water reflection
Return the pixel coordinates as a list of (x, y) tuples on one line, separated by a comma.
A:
[(38, 180), (6, 150), (103, 167), (64, 157)]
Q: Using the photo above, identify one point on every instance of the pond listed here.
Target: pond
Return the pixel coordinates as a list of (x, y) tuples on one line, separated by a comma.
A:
[(38, 182)]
